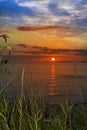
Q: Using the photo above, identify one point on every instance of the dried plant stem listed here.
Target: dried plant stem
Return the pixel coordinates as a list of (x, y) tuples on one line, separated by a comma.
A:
[(22, 83)]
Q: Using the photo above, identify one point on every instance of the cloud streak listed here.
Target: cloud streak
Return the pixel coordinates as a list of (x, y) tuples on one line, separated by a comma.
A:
[(46, 50), (33, 28), (22, 45)]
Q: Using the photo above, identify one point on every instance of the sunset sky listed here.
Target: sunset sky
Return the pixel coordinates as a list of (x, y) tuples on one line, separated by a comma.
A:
[(41, 29)]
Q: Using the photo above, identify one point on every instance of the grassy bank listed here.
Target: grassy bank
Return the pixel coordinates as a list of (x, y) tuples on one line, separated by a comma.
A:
[(37, 114)]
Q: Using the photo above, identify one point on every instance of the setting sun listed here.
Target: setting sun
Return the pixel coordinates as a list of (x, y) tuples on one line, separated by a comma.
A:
[(52, 59)]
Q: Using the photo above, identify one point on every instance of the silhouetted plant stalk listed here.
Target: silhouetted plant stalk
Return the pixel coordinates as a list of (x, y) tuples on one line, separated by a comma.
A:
[(22, 83)]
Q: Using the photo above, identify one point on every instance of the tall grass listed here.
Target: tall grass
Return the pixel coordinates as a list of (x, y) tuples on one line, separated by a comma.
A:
[(35, 113)]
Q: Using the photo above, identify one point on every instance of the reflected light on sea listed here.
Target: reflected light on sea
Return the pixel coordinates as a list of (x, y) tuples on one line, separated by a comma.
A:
[(52, 80)]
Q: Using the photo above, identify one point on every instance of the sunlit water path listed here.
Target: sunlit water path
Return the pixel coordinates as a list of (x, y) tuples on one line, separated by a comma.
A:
[(50, 79)]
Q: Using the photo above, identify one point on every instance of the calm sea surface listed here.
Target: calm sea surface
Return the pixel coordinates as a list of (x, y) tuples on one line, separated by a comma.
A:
[(50, 79)]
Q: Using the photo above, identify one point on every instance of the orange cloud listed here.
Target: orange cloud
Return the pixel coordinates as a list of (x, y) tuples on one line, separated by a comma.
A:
[(36, 28)]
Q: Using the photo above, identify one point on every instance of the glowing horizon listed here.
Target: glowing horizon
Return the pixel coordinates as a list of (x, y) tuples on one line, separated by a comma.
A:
[(45, 28)]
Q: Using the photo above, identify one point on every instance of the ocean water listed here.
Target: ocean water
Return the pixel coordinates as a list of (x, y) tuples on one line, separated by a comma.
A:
[(49, 79)]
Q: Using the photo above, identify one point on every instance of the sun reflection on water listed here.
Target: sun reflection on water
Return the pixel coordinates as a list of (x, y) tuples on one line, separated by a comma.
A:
[(53, 80)]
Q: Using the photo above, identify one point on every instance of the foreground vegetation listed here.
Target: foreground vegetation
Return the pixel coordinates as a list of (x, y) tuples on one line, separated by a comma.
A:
[(37, 114)]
